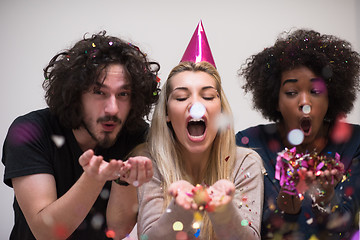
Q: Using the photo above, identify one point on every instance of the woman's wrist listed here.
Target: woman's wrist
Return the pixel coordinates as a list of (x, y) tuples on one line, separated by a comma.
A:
[(121, 182)]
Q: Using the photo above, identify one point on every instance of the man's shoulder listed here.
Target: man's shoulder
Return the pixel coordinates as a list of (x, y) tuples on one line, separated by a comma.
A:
[(38, 121), (36, 115)]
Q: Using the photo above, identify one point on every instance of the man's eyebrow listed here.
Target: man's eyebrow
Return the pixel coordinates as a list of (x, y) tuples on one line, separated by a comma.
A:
[(291, 80)]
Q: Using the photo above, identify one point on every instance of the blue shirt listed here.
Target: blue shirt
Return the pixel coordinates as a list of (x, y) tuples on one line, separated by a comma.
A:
[(266, 140)]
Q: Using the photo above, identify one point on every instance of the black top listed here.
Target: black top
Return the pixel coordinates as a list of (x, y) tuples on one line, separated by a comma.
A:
[(309, 221), (30, 148)]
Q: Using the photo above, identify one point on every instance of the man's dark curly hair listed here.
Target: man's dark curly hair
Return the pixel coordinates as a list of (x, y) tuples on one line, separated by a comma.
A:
[(327, 56), (72, 72)]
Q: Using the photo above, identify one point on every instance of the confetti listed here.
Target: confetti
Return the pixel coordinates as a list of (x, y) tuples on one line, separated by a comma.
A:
[(349, 191), (110, 234), (197, 110), (289, 163), (48, 220), (342, 131), (60, 231), (313, 237), (105, 193), (58, 140), (178, 226), (223, 121), (295, 137), (198, 217), (334, 208), (272, 207), (244, 223), (301, 197), (181, 236), (136, 183), (196, 225), (201, 196), (245, 140), (274, 145), (197, 234), (144, 237), (306, 109), (97, 221)]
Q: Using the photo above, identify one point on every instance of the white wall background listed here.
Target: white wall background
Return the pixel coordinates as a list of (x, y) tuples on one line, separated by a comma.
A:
[(31, 32)]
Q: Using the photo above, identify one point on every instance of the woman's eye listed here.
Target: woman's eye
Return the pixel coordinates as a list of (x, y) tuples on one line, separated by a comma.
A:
[(209, 98), (290, 93), (181, 99), (316, 91)]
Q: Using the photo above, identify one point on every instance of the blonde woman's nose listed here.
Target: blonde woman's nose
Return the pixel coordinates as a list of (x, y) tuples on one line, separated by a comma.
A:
[(197, 110)]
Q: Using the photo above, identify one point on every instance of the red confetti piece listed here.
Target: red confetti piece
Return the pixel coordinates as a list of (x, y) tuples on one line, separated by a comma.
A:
[(349, 191), (181, 236), (245, 140), (209, 208), (60, 231), (227, 158), (342, 131), (274, 145), (110, 234)]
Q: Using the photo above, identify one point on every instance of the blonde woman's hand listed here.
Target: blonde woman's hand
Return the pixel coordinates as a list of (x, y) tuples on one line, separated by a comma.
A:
[(181, 191), (221, 194)]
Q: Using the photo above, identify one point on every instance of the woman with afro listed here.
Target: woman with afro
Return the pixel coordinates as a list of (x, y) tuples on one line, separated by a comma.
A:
[(304, 84)]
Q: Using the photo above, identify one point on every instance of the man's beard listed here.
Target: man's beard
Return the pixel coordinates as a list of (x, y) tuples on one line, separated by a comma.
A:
[(106, 141)]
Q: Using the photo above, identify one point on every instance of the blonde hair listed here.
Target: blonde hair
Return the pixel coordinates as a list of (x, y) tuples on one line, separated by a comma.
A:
[(165, 151)]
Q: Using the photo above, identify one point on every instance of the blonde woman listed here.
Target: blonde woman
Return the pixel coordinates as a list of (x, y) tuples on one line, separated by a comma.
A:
[(187, 151)]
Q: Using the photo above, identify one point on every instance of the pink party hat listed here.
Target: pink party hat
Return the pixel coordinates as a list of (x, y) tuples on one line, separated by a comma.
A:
[(198, 49)]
